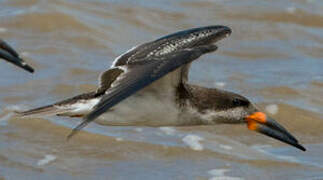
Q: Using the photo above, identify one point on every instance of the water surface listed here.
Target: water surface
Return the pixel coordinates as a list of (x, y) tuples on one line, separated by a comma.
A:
[(273, 57)]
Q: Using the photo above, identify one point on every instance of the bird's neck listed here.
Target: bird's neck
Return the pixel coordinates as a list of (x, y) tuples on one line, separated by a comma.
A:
[(204, 106)]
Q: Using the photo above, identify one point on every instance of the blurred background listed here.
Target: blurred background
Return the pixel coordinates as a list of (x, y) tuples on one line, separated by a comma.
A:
[(273, 57)]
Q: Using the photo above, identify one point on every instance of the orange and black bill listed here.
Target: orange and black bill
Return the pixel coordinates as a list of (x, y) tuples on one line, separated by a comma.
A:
[(259, 122), (9, 54)]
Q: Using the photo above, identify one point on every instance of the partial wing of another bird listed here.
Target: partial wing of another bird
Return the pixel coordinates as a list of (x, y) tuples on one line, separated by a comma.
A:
[(139, 74), (9, 54)]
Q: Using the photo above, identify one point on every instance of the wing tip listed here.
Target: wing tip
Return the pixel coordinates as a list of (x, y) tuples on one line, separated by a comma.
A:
[(28, 68), (78, 128), (15, 59)]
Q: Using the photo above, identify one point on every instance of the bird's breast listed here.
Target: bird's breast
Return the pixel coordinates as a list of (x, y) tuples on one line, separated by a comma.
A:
[(145, 108)]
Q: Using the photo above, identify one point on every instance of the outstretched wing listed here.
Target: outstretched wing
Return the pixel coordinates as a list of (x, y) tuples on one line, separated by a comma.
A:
[(139, 74), (9, 54)]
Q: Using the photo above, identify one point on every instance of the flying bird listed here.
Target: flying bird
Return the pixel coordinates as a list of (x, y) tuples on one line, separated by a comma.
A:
[(9, 54), (148, 86)]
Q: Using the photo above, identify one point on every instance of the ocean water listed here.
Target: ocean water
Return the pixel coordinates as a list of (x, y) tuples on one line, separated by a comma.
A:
[(273, 57)]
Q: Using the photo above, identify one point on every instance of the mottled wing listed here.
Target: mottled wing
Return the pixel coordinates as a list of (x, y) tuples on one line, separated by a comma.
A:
[(139, 74)]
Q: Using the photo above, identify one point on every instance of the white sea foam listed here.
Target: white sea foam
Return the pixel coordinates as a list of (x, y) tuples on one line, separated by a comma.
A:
[(10, 108), (193, 141), (225, 178), (219, 174), (272, 109), (168, 130), (138, 129), (46, 160), (263, 149), (291, 10), (16, 107), (25, 54), (288, 158), (4, 119), (226, 147), (119, 139), (220, 84), (3, 30)]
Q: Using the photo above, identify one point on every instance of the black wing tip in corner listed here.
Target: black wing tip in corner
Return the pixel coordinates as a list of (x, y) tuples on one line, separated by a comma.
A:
[(28, 68), (9, 54)]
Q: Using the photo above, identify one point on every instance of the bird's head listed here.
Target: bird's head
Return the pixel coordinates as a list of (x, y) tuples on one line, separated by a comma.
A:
[(242, 110), (218, 106)]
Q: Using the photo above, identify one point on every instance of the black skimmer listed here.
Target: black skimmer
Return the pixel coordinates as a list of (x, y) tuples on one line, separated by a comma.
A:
[(147, 86), (9, 54)]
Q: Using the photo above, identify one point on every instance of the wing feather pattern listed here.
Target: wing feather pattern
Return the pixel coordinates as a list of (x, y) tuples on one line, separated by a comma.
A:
[(139, 74)]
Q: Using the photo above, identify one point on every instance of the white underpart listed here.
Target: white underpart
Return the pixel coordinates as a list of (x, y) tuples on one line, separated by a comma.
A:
[(141, 110), (82, 106), (154, 105)]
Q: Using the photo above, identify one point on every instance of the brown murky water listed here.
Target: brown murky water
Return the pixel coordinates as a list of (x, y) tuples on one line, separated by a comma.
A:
[(274, 57)]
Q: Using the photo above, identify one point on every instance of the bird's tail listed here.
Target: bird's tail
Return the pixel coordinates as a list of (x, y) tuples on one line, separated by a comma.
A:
[(49, 110), (73, 107)]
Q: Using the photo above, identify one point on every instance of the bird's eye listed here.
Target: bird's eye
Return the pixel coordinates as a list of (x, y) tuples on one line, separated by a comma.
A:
[(240, 102)]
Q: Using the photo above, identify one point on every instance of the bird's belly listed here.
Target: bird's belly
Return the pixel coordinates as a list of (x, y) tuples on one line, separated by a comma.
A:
[(142, 109)]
